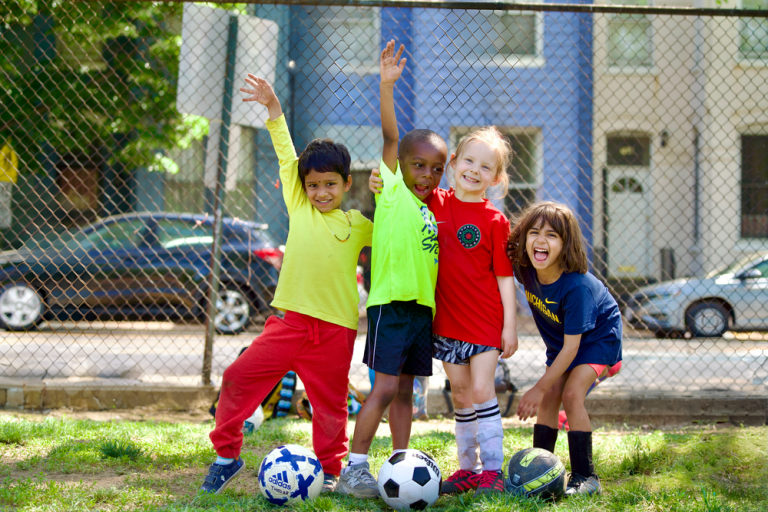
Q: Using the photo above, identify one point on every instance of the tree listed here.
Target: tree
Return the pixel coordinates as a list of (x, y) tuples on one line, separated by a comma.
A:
[(88, 75)]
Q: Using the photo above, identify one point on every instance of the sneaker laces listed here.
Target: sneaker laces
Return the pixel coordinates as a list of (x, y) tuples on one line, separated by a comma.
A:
[(363, 474), (486, 478), (460, 474)]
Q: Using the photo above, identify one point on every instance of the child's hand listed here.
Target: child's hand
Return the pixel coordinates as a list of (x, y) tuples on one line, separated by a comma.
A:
[(529, 405), (261, 92), (264, 94), (508, 341), (511, 250), (375, 183), (389, 67)]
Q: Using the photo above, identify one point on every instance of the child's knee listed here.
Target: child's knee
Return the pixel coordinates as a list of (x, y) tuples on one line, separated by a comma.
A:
[(483, 391), (572, 398)]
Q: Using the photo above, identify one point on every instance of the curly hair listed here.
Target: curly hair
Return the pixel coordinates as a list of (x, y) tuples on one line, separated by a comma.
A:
[(563, 221)]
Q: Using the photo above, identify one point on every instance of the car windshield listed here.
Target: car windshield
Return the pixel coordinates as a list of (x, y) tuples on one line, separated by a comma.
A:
[(120, 234), (735, 266)]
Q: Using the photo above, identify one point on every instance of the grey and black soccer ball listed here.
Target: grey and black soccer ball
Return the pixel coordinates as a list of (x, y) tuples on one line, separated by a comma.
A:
[(535, 472), (410, 480)]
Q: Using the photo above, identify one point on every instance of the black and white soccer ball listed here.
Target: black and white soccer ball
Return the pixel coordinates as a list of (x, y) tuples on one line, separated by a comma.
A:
[(289, 474), (410, 480)]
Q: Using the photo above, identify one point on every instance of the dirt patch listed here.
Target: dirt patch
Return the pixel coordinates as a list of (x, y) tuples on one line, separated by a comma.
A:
[(196, 416)]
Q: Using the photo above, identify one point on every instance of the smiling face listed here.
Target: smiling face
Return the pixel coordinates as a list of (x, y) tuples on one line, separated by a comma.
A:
[(544, 247), (423, 167), (475, 169), (325, 190)]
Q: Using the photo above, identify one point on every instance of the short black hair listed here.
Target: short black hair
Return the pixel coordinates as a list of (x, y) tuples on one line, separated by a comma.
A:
[(324, 155), (415, 136)]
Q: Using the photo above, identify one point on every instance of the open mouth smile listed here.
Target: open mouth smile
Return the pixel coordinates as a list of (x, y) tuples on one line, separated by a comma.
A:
[(421, 189), (470, 180), (540, 255)]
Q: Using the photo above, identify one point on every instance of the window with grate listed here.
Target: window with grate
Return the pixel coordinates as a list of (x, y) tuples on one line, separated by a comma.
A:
[(504, 37), (351, 37), (631, 150), (630, 39), (753, 33), (754, 186)]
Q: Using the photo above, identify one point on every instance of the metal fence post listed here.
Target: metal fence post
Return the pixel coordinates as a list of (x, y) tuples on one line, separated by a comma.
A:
[(221, 173)]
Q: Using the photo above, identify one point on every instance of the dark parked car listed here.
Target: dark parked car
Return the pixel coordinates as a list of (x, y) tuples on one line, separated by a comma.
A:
[(140, 266)]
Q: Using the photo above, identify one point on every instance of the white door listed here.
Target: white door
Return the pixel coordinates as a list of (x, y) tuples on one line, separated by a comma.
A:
[(629, 222)]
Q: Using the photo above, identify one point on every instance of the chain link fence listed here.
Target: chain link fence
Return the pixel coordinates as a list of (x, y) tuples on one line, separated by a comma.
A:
[(135, 184)]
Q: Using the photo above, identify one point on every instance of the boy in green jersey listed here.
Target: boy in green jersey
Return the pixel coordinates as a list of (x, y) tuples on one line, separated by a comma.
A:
[(401, 302)]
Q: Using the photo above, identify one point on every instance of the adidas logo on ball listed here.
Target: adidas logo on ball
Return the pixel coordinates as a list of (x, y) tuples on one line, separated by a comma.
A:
[(280, 480)]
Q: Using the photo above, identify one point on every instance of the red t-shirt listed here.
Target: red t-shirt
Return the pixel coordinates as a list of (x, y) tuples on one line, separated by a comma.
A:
[(473, 251)]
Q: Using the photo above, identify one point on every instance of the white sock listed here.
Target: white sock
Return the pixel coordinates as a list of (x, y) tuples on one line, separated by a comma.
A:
[(466, 439), (398, 451), (490, 435), (223, 461), (355, 458)]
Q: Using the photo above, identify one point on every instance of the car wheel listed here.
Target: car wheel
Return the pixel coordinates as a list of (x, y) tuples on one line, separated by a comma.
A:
[(233, 310), (707, 319), (21, 307)]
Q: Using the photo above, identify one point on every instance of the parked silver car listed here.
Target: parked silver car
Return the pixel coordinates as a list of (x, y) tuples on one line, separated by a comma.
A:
[(734, 298)]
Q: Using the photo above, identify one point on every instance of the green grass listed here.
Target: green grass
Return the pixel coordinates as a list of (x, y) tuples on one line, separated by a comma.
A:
[(62, 464)]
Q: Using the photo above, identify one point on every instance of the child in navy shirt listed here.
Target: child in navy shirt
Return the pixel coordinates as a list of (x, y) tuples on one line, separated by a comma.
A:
[(581, 326)]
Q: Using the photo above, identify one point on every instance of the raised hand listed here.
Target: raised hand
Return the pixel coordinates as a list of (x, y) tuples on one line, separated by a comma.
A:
[(263, 93), (391, 65)]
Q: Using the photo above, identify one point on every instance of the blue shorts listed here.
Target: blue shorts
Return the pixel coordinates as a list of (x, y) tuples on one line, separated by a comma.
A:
[(399, 339)]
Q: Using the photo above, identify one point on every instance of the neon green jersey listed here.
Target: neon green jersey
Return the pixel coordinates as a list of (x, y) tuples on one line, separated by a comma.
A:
[(404, 262)]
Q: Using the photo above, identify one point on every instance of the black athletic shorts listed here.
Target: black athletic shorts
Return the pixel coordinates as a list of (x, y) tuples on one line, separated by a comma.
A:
[(399, 339)]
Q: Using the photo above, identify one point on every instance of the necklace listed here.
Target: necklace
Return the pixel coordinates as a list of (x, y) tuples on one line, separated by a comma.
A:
[(348, 234)]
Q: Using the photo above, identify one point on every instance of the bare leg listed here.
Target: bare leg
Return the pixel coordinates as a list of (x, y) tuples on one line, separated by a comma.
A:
[(460, 377), (383, 393), (574, 393), (483, 368), (550, 404), (401, 413)]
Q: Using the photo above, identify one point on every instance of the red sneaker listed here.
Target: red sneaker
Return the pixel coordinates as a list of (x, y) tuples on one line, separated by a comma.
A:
[(489, 482), (460, 481), (562, 421)]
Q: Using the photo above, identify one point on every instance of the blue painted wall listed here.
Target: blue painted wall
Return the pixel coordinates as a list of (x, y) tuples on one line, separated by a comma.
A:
[(441, 89)]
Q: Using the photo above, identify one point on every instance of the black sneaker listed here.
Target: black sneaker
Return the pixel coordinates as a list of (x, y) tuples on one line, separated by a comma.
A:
[(578, 484), (219, 477)]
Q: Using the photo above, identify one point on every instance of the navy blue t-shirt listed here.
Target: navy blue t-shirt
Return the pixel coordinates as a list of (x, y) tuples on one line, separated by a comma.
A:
[(575, 304)]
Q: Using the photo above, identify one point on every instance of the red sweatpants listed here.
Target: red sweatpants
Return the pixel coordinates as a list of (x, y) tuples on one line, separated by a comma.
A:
[(320, 353)]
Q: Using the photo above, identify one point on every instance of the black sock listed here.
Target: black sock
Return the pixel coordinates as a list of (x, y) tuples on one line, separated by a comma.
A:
[(580, 449), (544, 437)]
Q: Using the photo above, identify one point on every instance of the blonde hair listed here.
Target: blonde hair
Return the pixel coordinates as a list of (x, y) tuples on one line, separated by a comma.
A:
[(501, 147)]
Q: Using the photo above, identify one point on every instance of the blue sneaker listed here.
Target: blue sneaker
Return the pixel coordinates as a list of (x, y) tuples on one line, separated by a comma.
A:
[(219, 477)]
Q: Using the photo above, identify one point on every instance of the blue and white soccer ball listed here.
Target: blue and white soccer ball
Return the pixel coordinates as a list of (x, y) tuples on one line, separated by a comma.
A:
[(410, 480), (290, 473)]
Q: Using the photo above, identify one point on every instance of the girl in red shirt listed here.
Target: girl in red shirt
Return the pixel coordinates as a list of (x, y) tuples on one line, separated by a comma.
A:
[(475, 315)]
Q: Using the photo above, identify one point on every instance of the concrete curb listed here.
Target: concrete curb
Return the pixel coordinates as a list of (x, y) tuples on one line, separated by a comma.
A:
[(38, 395)]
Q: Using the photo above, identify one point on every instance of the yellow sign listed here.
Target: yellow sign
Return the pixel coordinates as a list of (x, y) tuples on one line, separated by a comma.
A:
[(9, 164)]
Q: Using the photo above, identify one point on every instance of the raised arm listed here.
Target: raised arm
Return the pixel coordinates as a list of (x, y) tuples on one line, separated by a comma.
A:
[(264, 94), (293, 190), (391, 67)]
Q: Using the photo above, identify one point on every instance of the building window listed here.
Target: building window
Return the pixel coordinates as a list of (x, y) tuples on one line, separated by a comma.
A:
[(506, 37), (630, 39), (631, 150), (524, 170), (754, 186), (351, 37), (753, 33)]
